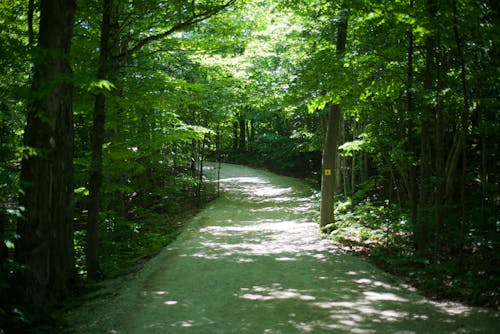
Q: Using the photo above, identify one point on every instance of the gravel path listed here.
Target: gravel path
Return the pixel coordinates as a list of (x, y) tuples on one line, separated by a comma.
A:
[(253, 262)]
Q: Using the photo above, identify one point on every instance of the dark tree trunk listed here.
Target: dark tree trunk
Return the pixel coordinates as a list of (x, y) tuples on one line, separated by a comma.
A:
[(329, 163), (412, 175), (4, 256), (439, 154), (425, 220), (96, 174), (31, 11), (242, 138), (340, 162), (45, 245), (199, 187), (464, 124), (353, 174), (331, 139), (235, 136), (251, 134)]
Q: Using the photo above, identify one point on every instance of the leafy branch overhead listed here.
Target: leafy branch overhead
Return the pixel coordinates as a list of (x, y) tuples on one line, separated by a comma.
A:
[(188, 16)]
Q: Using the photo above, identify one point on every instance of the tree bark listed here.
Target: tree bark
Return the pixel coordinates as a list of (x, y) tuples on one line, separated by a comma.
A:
[(464, 124), (353, 174), (425, 220), (251, 135), (45, 246), (330, 148), (412, 175), (31, 11), (439, 153), (235, 136), (329, 164), (96, 173), (242, 138), (341, 162)]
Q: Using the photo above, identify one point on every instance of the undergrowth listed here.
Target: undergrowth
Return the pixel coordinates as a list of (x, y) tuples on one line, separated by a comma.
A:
[(381, 231), (129, 239)]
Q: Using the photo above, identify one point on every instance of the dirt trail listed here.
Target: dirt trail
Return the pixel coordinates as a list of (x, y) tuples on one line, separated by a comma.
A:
[(253, 262)]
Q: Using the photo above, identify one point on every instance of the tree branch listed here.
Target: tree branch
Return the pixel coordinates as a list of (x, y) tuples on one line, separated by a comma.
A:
[(31, 10), (196, 18)]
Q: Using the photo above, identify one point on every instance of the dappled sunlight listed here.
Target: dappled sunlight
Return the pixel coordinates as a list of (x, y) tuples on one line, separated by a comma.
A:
[(453, 308), (242, 180), (276, 291), (366, 281), (265, 238), (254, 262), (375, 296), (270, 191), (278, 225)]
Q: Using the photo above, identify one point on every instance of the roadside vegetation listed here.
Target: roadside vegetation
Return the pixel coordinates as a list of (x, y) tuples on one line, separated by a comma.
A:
[(115, 107)]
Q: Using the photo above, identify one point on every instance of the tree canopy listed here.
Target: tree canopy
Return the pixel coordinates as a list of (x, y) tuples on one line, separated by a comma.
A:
[(116, 106)]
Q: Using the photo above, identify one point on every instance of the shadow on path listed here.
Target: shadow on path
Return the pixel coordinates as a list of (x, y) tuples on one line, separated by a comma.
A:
[(253, 262)]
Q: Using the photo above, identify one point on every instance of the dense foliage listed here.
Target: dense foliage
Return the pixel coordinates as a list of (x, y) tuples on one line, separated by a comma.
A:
[(160, 87), (418, 145)]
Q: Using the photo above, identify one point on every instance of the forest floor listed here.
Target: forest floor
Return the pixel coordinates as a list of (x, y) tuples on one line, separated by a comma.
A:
[(253, 261)]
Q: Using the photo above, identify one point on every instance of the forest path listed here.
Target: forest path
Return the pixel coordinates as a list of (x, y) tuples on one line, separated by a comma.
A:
[(253, 262)]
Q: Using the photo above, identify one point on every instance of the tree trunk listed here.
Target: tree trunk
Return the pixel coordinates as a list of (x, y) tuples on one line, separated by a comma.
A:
[(251, 136), (464, 122), (329, 163), (425, 219), (96, 173), (364, 168), (353, 174), (92, 252), (242, 143), (484, 163), (235, 136), (341, 162), (439, 155), (31, 11), (331, 138), (200, 176), (412, 175), (45, 246)]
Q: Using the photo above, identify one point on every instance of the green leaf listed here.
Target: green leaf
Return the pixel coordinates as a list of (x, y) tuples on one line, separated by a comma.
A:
[(82, 191), (9, 244), (96, 86)]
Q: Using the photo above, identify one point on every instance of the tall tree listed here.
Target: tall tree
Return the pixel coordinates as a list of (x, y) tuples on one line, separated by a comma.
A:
[(45, 246), (463, 130), (107, 70), (330, 149), (424, 223), (411, 180)]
